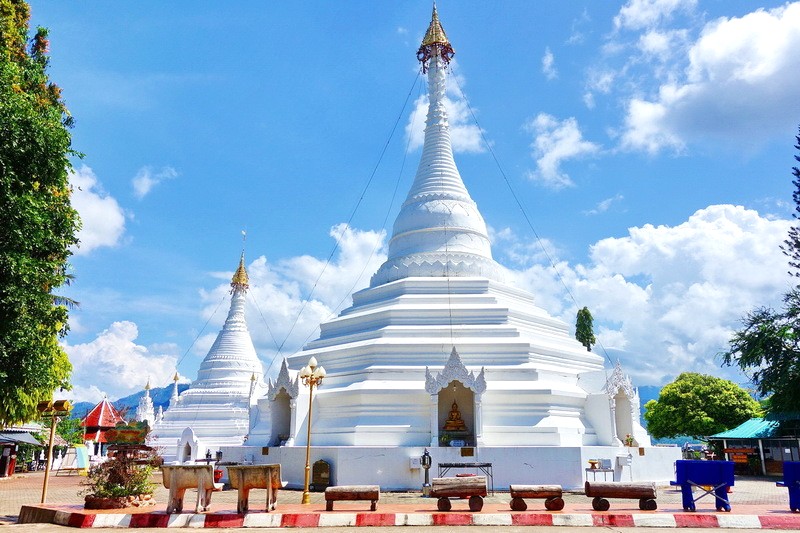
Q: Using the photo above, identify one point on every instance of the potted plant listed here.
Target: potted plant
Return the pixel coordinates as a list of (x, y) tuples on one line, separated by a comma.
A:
[(628, 440), (121, 481)]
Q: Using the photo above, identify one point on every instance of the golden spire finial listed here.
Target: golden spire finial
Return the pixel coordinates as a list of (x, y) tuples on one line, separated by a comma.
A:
[(435, 42), (147, 387), (435, 33), (240, 276), (176, 377)]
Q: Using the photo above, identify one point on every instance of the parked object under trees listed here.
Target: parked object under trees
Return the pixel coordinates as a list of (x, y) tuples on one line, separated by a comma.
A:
[(38, 222)]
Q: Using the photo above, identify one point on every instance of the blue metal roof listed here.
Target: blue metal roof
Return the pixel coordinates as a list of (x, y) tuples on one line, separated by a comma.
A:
[(755, 428)]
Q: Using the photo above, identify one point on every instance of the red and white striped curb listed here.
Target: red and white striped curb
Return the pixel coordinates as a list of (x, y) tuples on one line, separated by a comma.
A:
[(230, 520)]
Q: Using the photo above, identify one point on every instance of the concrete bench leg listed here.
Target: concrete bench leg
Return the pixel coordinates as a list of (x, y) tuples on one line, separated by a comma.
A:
[(373, 505), (329, 505), (242, 502)]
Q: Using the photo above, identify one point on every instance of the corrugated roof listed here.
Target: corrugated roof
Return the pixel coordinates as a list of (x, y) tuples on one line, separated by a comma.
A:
[(755, 428)]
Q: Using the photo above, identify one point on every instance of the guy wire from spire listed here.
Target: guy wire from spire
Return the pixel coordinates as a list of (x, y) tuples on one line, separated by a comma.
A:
[(200, 333), (349, 292), (521, 207), (352, 214)]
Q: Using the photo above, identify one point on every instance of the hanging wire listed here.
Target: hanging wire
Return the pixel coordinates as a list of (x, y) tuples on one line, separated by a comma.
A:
[(521, 206), (383, 228), (352, 214), (224, 297)]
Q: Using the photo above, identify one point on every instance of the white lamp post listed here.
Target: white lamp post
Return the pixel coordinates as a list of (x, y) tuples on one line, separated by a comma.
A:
[(311, 375)]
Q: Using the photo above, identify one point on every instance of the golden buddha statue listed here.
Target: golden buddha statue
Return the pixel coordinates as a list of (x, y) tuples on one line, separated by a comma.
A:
[(454, 421)]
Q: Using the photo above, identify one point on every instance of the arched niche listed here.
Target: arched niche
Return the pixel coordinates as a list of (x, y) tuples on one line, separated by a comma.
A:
[(462, 383), (282, 395)]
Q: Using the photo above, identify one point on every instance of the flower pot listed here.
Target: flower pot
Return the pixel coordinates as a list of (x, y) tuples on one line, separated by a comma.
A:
[(98, 502)]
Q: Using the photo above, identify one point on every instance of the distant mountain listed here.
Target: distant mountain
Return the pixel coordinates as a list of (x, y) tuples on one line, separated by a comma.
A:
[(160, 397)]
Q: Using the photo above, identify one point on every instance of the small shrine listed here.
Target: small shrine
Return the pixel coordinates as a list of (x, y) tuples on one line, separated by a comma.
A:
[(102, 418)]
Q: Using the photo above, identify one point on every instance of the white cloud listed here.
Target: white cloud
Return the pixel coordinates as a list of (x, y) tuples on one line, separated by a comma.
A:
[(639, 14), (737, 81), (549, 65), (113, 364), (604, 205), (465, 135), (556, 142), (666, 298), (146, 179), (102, 218)]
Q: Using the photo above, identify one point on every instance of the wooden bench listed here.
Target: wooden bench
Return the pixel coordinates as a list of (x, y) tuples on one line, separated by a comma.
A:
[(178, 478), (246, 477), (352, 493), (553, 495), (473, 487), (645, 492)]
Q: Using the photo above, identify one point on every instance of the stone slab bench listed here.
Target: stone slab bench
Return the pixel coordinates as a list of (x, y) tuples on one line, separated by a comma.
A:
[(473, 487), (645, 492), (552, 494), (352, 493), (243, 478), (178, 478)]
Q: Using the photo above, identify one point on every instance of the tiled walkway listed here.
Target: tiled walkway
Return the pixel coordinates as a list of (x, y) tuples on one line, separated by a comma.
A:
[(755, 503)]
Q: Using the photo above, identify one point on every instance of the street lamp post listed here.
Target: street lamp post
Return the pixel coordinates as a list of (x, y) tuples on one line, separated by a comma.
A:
[(311, 375), (52, 410)]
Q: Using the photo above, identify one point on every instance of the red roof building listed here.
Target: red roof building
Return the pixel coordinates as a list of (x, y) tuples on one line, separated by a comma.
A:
[(101, 418)]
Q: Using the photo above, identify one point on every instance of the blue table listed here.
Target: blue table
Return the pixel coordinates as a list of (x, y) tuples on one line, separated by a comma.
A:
[(701, 474), (791, 480)]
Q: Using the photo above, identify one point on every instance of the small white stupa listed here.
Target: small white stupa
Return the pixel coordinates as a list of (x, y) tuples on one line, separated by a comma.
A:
[(440, 352), (215, 410), (145, 411)]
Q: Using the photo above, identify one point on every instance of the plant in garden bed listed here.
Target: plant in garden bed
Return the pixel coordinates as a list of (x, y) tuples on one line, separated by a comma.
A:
[(121, 481)]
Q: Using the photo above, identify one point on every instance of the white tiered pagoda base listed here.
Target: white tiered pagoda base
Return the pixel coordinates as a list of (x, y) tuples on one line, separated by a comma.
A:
[(398, 468)]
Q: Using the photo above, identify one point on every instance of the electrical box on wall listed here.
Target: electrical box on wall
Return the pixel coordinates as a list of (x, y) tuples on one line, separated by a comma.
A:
[(413, 463)]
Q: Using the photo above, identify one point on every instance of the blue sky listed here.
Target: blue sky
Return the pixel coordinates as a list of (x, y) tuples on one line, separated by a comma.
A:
[(650, 141)]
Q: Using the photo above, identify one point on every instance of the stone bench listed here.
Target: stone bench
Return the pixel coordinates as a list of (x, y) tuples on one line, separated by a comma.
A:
[(178, 478), (645, 492), (246, 477), (352, 493), (553, 495), (473, 487)]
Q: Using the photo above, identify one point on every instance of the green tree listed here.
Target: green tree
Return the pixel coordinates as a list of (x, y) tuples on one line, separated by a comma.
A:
[(38, 222), (698, 405), (584, 330), (767, 347)]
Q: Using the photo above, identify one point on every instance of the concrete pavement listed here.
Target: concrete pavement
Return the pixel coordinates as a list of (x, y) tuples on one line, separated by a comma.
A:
[(756, 503)]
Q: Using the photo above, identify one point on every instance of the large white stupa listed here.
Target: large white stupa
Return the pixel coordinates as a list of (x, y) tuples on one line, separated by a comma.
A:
[(214, 411), (441, 352)]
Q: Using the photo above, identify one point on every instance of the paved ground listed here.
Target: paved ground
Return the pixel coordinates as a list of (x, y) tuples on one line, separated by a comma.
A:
[(749, 497)]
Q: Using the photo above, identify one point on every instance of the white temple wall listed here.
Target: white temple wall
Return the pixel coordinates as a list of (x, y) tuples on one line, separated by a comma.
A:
[(392, 468)]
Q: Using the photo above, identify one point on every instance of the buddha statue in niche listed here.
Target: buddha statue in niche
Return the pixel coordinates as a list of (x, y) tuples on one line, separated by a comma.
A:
[(454, 421)]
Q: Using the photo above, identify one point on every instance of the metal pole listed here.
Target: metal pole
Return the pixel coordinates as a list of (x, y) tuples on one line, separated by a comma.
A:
[(306, 495), (53, 422)]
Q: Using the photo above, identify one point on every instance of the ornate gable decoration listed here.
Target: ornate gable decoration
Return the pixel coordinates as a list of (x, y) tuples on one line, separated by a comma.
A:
[(284, 382), (619, 381), (454, 370)]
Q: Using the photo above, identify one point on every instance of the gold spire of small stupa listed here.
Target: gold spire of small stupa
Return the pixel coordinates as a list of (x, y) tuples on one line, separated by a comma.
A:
[(240, 278)]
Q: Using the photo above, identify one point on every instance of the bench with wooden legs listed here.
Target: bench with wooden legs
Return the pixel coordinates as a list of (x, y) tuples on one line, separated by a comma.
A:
[(473, 487), (645, 492), (352, 493), (552, 494)]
